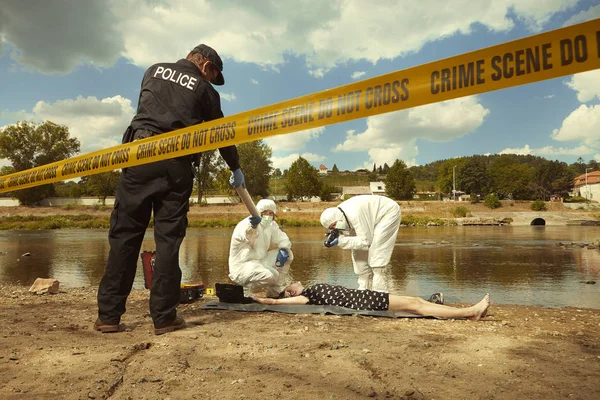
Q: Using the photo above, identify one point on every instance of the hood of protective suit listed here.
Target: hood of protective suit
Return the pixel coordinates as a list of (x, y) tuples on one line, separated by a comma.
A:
[(266, 204), (331, 215)]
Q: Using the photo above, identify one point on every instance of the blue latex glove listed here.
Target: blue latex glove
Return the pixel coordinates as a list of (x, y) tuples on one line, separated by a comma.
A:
[(282, 257), (330, 237), (237, 179), (254, 221), (332, 243)]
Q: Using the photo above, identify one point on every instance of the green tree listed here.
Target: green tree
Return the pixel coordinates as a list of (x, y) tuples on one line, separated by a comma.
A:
[(7, 170), (326, 191), (472, 177), (29, 145), (510, 178), (386, 168), (428, 172), (552, 177), (277, 174), (578, 167), (446, 174), (68, 189), (335, 169), (399, 182), (102, 185), (302, 180), (255, 161), (374, 168), (206, 168)]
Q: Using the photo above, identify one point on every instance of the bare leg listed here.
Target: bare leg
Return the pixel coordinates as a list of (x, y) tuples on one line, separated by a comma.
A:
[(418, 306)]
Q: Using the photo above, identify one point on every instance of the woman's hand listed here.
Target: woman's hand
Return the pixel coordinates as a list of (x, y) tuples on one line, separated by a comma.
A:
[(266, 301)]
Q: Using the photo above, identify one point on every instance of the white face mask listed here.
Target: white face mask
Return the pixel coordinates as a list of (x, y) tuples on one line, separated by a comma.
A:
[(266, 221)]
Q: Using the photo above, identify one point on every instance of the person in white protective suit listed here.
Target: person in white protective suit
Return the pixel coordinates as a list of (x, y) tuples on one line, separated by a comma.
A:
[(260, 253), (368, 225)]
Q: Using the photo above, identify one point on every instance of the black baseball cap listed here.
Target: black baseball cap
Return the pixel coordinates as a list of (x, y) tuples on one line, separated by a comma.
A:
[(212, 56)]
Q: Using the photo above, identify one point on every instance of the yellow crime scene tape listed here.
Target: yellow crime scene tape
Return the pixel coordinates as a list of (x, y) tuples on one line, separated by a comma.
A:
[(548, 55)]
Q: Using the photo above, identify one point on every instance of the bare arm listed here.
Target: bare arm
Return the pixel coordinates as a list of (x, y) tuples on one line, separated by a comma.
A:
[(289, 300)]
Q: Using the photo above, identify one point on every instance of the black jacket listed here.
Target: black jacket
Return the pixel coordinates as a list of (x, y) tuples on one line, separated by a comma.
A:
[(175, 96)]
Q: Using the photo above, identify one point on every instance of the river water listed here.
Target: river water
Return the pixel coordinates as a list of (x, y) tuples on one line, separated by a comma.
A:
[(516, 265)]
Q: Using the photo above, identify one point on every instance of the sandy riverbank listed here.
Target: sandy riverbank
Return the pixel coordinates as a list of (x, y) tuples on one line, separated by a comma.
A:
[(48, 349), (306, 214)]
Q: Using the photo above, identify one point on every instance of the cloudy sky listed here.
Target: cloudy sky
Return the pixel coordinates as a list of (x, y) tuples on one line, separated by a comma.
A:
[(80, 63)]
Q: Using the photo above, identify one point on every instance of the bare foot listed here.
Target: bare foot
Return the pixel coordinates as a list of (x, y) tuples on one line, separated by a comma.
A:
[(480, 309)]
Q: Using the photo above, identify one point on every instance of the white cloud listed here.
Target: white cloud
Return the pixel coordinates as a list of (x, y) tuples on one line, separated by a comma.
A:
[(55, 37), (583, 124), (588, 15), (285, 162), (294, 141), (549, 96), (228, 96), (562, 151), (549, 151), (520, 151), (358, 74), (325, 33), (389, 156), (586, 84), (254, 81), (96, 123), (394, 135)]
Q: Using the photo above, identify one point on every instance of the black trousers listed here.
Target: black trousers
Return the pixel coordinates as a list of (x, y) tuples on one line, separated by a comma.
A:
[(162, 187)]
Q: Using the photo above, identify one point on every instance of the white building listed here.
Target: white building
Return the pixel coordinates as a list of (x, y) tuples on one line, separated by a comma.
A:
[(377, 188), (588, 188)]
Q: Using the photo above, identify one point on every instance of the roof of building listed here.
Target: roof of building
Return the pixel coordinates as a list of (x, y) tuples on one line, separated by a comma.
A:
[(593, 177)]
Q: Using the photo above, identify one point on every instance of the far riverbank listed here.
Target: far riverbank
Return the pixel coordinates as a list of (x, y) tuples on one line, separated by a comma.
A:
[(300, 214)]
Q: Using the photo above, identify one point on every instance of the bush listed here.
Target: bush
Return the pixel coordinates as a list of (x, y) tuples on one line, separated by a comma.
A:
[(326, 191), (538, 205), (575, 199), (474, 199), (492, 201), (460, 212)]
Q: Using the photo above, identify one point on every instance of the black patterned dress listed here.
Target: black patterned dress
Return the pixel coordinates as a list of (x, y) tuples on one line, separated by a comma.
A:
[(324, 294)]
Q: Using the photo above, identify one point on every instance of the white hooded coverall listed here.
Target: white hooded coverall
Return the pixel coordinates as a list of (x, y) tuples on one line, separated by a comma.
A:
[(371, 235), (253, 252)]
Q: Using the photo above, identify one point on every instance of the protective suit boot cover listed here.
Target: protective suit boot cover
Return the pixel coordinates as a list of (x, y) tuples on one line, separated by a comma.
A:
[(380, 282), (365, 281)]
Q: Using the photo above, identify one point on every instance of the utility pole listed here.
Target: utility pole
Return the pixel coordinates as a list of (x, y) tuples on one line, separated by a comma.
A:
[(454, 181)]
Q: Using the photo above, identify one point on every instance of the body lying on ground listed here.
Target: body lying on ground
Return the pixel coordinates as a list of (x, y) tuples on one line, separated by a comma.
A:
[(324, 294)]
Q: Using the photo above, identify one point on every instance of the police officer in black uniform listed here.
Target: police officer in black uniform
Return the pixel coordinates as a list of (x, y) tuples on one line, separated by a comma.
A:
[(173, 96)]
